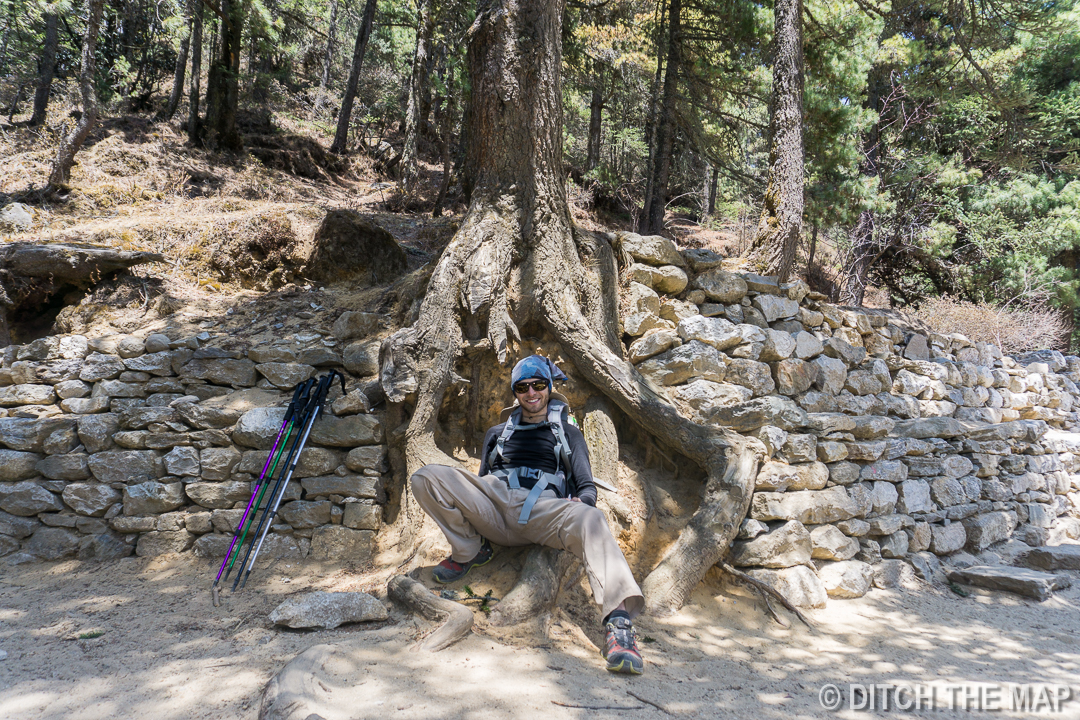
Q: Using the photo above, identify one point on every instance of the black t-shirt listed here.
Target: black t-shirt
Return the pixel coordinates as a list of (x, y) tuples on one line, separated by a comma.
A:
[(535, 448)]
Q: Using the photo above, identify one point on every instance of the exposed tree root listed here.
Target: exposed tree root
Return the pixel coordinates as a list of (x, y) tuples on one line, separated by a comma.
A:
[(766, 591), (536, 590), (287, 695), (416, 597)]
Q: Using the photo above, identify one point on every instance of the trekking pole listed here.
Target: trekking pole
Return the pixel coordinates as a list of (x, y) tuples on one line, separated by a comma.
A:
[(303, 415), (318, 401), (300, 396)]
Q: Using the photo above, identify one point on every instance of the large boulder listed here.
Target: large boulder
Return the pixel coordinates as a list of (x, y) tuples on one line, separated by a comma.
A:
[(349, 246)]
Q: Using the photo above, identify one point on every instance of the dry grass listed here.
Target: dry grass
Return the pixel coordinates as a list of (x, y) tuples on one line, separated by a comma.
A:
[(1014, 329)]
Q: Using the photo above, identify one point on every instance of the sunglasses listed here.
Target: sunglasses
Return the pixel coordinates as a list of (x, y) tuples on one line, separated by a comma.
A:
[(523, 387)]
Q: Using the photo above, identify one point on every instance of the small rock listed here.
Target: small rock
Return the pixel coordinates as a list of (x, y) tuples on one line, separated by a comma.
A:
[(786, 546), (156, 342), (890, 574), (16, 217), (1058, 557), (847, 578), (800, 585), (651, 249), (351, 325), (328, 610), (361, 358), (1022, 581)]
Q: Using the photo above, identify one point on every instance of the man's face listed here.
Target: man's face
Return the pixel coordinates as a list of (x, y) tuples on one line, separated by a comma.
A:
[(534, 399)]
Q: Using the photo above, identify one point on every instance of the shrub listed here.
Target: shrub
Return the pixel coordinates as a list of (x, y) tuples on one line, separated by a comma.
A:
[(1015, 329)]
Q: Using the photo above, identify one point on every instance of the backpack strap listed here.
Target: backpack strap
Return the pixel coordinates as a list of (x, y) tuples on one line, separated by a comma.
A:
[(557, 414), (508, 430)]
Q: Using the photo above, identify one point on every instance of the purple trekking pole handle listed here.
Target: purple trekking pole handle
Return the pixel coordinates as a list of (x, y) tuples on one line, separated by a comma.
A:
[(297, 394)]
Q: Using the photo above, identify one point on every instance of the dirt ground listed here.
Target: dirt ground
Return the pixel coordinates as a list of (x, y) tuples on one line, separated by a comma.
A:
[(163, 651)]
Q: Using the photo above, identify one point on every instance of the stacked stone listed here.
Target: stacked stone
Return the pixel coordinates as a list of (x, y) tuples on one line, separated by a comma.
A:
[(885, 444), (123, 444)]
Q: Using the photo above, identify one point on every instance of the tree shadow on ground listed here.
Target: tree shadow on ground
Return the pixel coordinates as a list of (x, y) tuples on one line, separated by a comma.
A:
[(165, 652)]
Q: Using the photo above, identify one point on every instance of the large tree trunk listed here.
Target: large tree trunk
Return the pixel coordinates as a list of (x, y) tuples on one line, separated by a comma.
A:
[(863, 245), (341, 137), (223, 86), (69, 145), (517, 261), (780, 224), (596, 119), (46, 69), (328, 57), (665, 127), (196, 70), (445, 114), (425, 26), (181, 68), (653, 117)]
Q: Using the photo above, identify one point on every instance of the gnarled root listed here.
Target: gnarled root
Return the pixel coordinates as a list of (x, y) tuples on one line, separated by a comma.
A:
[(536, 589), (707, 536), (416, 597), (766, 591)]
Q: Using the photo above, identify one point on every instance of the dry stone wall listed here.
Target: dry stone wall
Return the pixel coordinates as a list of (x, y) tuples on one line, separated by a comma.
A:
[(118, 445), (887, 445)]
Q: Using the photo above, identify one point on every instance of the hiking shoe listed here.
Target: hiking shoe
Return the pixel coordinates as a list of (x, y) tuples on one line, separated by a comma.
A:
[(620, 648), (448, 571)]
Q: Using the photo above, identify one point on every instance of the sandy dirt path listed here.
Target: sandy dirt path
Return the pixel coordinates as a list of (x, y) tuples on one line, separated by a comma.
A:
[(166, 653)]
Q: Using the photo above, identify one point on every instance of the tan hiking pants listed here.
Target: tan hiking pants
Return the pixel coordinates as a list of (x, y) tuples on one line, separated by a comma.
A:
[(467, 506)]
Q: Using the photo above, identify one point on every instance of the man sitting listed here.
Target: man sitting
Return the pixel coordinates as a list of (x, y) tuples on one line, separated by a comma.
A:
[(535, 486)]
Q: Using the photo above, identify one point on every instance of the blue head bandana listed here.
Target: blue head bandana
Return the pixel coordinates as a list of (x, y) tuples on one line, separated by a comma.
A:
[(536, 366)]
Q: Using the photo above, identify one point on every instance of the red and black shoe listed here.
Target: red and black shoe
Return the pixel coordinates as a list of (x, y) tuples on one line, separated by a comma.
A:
[(620, 647), (448, 571)]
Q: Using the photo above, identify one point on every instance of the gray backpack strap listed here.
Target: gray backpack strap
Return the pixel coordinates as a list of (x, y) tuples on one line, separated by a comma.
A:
[(508, 430), (556, 409)]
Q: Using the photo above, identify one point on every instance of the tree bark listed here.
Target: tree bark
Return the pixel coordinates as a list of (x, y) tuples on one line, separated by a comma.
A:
[(863, 242), (780, 224), (46, 69), (181, 67), (665, 129), (341, 137), (223, 87), (517, 260), (196, 70), (596, 119), (425, 26), (653, 118), (65, 156), (446, 124), (331, 37)]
